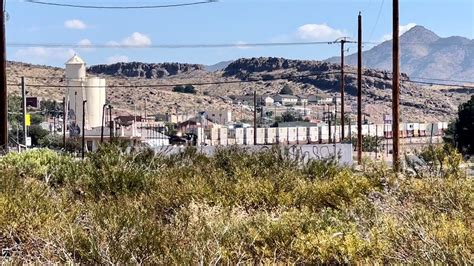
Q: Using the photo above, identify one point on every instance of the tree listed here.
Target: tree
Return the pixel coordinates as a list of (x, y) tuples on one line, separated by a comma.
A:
[(37, 134), (460, 133), (286, 90), (185, 89)]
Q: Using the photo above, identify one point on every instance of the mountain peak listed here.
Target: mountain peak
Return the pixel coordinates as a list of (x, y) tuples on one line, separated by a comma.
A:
[(419, 34)]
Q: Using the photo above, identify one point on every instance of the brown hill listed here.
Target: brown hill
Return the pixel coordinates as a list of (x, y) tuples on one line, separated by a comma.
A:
[(243, 76)]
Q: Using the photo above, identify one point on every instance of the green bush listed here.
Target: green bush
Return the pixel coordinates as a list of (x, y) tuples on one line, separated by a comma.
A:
[(122, 206)]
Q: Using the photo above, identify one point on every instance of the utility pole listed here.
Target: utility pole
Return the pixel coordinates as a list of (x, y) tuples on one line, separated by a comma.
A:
[(102, 125), (342, 41), (83, 128), (23, 96), (3, 85), (396, 86), (111, 124), (255, 118), (359, 93), (64, 121)]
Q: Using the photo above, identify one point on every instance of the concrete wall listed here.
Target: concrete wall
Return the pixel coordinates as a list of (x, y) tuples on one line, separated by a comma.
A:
[(342, 152)]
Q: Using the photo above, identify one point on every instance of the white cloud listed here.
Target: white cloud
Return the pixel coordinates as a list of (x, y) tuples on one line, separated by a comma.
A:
[(137, 39), (403, 29), (242, 45), (85, 45), (85, 42), (318, 32), (118, 59), (41, 55), (75, 24)]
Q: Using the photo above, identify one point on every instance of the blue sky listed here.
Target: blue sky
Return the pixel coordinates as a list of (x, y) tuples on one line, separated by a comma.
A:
[(227, 21)]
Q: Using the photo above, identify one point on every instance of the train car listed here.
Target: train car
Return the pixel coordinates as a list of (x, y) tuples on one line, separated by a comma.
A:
[(282, 135), (379, 130), (239, 136), (261, 136), (423, 129), (292, 135), (313, 135), (271, 136), (248, 136), (302, 135), (324, 134)]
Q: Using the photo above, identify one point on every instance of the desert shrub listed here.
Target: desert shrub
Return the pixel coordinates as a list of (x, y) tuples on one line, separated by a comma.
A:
[(437, 161), (41, 164), (123, 205)]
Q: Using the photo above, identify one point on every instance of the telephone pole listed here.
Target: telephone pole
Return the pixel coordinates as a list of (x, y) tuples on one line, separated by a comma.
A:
[(3, 83), (396, 86), (342, 41), (359, 93), (23, 94), (83, 128)]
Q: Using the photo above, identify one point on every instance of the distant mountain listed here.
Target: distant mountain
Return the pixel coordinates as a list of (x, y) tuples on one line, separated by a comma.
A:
[(144, 70), (423, 54), (219, 66)]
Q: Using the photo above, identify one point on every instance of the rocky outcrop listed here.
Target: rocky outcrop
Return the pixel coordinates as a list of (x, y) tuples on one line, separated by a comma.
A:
[(143, 70), (268, 68)]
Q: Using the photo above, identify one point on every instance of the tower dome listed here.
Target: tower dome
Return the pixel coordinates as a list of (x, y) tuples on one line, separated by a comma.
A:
[(75, 68)]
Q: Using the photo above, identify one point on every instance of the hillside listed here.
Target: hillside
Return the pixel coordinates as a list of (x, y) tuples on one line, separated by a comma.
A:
[(136, 85), (423, 54)]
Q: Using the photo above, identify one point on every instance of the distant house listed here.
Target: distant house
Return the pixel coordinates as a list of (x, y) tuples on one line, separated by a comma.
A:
[(285, 99), (302, 100), (219, 116), (268, 101)]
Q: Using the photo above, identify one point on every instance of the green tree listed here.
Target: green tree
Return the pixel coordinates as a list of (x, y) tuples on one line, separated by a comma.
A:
[(37, 134), (460, 133), (185, 89)]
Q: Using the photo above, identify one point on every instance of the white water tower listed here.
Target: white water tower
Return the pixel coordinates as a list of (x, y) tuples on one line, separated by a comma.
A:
[(81, 88)]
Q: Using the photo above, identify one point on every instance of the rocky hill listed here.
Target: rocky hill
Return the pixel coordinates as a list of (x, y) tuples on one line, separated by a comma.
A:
[(130, 86), (423, 54), (143, 70)]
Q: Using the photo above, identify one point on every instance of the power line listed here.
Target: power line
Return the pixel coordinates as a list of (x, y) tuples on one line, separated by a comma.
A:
[(165, 46), (196, 46), (289, 77), (119, 7), (377, 21)]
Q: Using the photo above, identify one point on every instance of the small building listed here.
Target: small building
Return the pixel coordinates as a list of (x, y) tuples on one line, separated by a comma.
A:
[(284, 99), (302, 100), (268, 101), (220, 116)]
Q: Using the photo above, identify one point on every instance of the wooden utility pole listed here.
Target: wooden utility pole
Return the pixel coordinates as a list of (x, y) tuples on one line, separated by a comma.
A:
[(83, 128), (396, 87), (343, 41), (255, 118), (3, 83), (23, 97), (359, 93)]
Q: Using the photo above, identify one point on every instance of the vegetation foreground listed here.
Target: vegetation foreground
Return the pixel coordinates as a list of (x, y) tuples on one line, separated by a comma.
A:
[(235, 207)]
